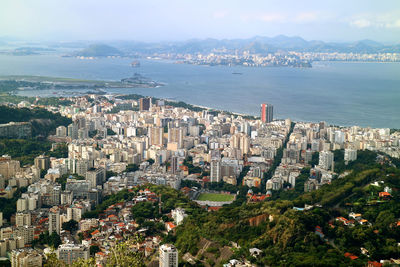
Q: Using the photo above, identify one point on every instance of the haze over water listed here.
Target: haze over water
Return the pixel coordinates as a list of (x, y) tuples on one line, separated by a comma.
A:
[(365, 94)]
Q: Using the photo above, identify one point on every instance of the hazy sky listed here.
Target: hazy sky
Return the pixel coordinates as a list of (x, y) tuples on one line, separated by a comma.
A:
[(154, 20)]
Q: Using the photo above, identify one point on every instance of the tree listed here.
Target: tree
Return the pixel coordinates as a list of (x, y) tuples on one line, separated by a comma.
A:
[(71, 225), (123, 254), (132, 168), (53, 240), (110, 132), (94, 249)]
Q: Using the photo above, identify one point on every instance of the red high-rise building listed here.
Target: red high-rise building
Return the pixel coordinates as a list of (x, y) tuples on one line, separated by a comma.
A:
[(267, 113)]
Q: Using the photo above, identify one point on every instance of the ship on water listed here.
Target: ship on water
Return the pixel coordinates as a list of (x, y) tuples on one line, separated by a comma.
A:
[(135, 64)]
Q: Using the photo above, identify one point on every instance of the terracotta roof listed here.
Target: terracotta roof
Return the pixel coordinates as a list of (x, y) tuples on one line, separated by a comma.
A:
[(350, 256), (171, 225), (374, 264), (95, 232)]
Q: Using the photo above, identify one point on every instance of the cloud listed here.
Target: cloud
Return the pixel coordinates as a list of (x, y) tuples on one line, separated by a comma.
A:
[(388, 20), (306, 17), (220, 14), (394, 24), (360, 23), (272, 17), (289, 17), (264, 17)]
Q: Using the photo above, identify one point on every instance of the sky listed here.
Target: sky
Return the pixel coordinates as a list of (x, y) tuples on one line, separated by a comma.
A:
[(176, 20)]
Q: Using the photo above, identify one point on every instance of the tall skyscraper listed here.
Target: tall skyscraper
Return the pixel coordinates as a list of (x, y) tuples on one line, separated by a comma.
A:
[(174, 164), (168, 256), (144, 103), (267, 113), (156, 136), (215, 173)]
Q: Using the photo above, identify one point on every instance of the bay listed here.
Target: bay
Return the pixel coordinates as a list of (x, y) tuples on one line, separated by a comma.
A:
[(340, 93)]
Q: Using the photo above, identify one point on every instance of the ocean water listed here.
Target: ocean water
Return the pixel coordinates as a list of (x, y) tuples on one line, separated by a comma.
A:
[(365, 94)]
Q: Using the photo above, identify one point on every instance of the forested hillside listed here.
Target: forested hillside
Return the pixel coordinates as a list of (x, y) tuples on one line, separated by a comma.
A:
[(349, 223)]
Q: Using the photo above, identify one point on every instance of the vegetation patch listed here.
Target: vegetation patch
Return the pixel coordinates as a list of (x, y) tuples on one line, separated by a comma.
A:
[(215, 197)]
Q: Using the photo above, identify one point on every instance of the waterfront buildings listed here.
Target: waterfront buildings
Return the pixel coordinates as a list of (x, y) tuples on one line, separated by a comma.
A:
[(267, 113)]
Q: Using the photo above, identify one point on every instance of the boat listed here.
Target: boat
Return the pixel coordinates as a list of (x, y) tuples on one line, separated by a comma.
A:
[(237, 73), (135, 64)]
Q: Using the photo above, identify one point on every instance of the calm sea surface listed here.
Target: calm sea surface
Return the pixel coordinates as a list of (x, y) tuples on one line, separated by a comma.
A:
[(365, 94)]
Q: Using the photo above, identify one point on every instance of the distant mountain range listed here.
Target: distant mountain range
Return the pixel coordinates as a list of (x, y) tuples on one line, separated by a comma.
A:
[(257, 45)]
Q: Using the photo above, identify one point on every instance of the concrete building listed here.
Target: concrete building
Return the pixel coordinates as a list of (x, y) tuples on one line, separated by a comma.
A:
[(267, 113), (69, 253), (8, 167), (22, 219), (168, 256), (350, 155), (326, 160), (156, 136), (26, 258), (61, 131), (75, 213), (72, 131), (16, 130), (54, 220), (175, 135), (215, 173), (178, 215), (144, 104), (96, 177), (25, 232), (42, 162)]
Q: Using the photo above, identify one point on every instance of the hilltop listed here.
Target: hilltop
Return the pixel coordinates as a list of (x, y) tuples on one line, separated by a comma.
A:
[(348, 222), (43, 122), (99, 50)]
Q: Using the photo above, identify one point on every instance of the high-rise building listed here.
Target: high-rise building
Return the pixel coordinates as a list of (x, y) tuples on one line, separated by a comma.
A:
[(61, 131), (215, 173), (8, 167), (267, 113), (168, 256), (96, 177), (156, 136), (42, 162), (54, 220), (22, 219), (174, 164), (145, 103), (326, 160), (241, 141), (175, 135), (350, 155), (72, 131), (26, 257)]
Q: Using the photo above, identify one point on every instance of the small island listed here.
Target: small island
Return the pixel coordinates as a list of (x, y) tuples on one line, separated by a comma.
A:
[(138, 80)]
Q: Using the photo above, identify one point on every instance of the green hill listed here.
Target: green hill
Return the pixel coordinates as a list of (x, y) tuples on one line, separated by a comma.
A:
[(99, 50), (43, 122), (287, 237)]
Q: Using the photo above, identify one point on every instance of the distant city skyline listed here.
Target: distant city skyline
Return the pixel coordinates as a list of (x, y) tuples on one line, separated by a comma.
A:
[(178, 20)]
